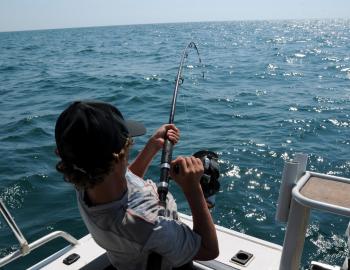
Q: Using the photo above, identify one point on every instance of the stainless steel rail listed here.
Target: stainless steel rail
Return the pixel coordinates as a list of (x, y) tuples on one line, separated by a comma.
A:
[(26, 248)]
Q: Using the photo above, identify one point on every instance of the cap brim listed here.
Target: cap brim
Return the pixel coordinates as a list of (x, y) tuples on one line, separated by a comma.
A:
[(135, 128)]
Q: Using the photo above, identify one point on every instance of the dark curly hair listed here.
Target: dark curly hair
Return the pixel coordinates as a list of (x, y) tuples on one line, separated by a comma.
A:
[(80, 178), (88, 178)]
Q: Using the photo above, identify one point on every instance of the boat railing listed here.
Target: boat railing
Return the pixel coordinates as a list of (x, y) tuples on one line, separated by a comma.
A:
[(301, 191), (26, 248)]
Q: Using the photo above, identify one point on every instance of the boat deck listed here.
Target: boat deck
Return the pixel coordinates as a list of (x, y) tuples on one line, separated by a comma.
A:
[(265, 255)]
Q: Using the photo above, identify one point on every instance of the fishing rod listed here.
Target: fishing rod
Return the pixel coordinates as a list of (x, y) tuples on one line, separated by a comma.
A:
[(209, 180), (168, 145)]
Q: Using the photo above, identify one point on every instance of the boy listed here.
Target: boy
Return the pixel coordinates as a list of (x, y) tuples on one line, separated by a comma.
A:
[(119, 208)]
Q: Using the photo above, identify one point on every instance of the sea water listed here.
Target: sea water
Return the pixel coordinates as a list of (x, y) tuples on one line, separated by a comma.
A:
[(270, 89)]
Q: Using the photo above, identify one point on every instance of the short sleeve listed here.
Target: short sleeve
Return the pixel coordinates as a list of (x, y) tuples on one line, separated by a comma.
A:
[(173, 240)]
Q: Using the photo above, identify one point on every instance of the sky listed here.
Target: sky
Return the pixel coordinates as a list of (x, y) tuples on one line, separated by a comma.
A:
[(17, 15)]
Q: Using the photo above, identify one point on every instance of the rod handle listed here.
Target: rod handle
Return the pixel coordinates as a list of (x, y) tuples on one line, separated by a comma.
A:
[(164, 170)]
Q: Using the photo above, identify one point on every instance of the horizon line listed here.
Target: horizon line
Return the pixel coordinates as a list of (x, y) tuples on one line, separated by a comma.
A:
[(152, 23)]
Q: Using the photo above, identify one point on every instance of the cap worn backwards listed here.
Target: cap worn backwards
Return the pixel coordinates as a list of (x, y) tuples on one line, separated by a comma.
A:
[(87, 133)]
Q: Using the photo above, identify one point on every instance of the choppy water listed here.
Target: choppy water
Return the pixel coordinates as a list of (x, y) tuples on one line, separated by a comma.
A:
[(270, 89)]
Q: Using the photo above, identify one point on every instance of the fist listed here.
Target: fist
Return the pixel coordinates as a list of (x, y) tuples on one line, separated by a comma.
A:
[(187, 172)]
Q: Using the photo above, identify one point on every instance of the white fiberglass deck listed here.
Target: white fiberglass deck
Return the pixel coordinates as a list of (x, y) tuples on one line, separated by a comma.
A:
[(266, 256)]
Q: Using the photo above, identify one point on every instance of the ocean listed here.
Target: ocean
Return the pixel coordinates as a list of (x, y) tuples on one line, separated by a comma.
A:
[(270, 89)]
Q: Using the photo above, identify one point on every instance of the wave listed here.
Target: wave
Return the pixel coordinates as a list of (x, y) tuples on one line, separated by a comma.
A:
[(9, 68)]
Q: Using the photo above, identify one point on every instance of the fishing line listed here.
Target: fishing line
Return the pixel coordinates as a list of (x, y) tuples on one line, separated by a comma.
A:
[(186, 96), (187, 119)]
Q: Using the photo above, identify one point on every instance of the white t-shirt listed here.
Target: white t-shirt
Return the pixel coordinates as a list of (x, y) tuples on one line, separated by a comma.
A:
[(130, 228)]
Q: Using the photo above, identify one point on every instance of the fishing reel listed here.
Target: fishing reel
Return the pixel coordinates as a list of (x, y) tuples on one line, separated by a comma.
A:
[(210, 180)]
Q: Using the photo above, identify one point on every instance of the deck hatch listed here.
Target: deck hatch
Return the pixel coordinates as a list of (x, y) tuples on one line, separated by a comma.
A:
[(242, 257)]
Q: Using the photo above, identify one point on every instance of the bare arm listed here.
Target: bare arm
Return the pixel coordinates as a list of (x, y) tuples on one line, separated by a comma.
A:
[(190, 172), (141, 163)]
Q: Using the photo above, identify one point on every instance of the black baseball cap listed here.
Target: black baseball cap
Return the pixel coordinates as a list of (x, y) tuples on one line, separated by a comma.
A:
[(87, 133)]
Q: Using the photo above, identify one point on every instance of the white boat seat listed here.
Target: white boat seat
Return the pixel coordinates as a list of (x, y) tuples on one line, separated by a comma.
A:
[(331, 192)]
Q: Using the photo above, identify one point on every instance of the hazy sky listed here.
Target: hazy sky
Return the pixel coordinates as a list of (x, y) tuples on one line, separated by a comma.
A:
[(47, 14)]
